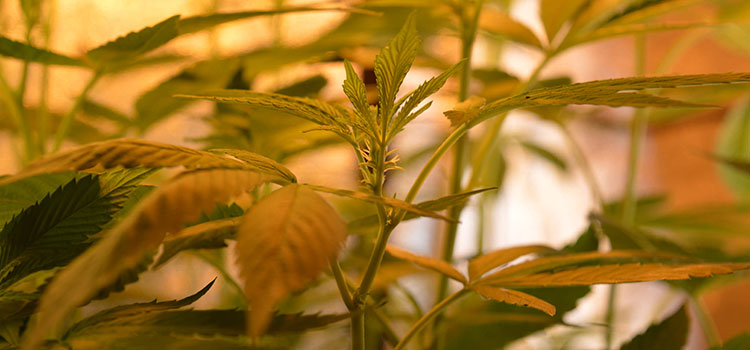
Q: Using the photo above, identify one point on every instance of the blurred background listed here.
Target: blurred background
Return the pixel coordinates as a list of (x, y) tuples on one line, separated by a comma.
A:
[(544, 195)]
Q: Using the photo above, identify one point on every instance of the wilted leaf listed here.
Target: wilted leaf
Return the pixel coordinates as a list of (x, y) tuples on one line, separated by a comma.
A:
[(260, 163), (428, 263), (283, 243), (486, 262), (211, 234), (165, 210), (130, 153), (515, 297), (465, 111), (26, 52), (670, 334)]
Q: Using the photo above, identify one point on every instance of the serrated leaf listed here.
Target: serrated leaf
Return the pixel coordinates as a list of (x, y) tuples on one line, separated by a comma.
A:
[(22, 194), (356, 92), (283, 243), (670, 334), (608, 274), (129, 153), (392, 64), (316, 111), (165, 210), (486, 262), (436, 265), (260, 163), (425, 90), (198, 23), (514, 297), (136, 43), (612, 92), (59, 227), (555, 13), (211, 234), (500, 23), (26, 52), (613, 31), (117, 314), (465, 111), (391, 202)]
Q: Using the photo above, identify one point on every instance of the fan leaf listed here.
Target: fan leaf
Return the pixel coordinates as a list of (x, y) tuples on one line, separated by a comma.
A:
[(484, 263), (165, 210), (137, 43), (283, 243), (670, 334), (514, 297), (439, 266), (393, 63), (15, 49), (211, 234)]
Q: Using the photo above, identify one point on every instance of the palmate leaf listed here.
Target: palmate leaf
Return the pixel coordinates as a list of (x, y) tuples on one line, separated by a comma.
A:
[(283, 243), (392, 64), (514, 297), (59, 227), (355, 90), (439, 266), (612, 92), (670, 334), (391, 202), (136, 43), (138, 153), (26, 52), (165, 210), (211, 234), (316, 111)]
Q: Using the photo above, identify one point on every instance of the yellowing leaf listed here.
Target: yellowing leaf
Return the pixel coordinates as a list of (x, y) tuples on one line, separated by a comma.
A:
[(165, 210), (428, 263), (555, 13), (515, 297), (484, 263), (626, 273), (210, 234), (465, 111), (26, 52), (500, 23), (283, 243), (130, 153)]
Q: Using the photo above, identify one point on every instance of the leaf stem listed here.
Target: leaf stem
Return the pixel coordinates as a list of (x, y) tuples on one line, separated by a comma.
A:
[(706, 322), (425, 320), (338, 275), (67, 120), (586, 168)]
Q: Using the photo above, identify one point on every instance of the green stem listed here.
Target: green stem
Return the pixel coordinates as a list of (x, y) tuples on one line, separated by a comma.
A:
[(338, 275), (707, 324), (425, 320), (358, 330), (62, 131)]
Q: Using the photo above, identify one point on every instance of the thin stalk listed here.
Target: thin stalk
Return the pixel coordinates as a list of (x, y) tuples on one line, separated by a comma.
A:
[(8, 97), (707, 324), (388, 332), (338, 275), (62, 131), (586, 168), (425, 320)]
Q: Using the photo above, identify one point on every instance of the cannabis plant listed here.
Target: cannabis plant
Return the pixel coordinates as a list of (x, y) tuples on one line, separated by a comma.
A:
[(81, 223)]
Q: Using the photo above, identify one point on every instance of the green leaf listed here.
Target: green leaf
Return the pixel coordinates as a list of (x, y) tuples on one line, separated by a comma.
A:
[(391, 202), (500, 23), (284, 242), (94, 109), (436, 265), (392, 64), (26, 52), (211, 234), (165, 210), (305, 88), (670, 334), (63, 223), (158, 103), (545, 154), (555, 13), (733, 149), (22, 194), (136, 43), (316, 111), (355, 90), (416, 97), (738, 342), (612, 92)]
